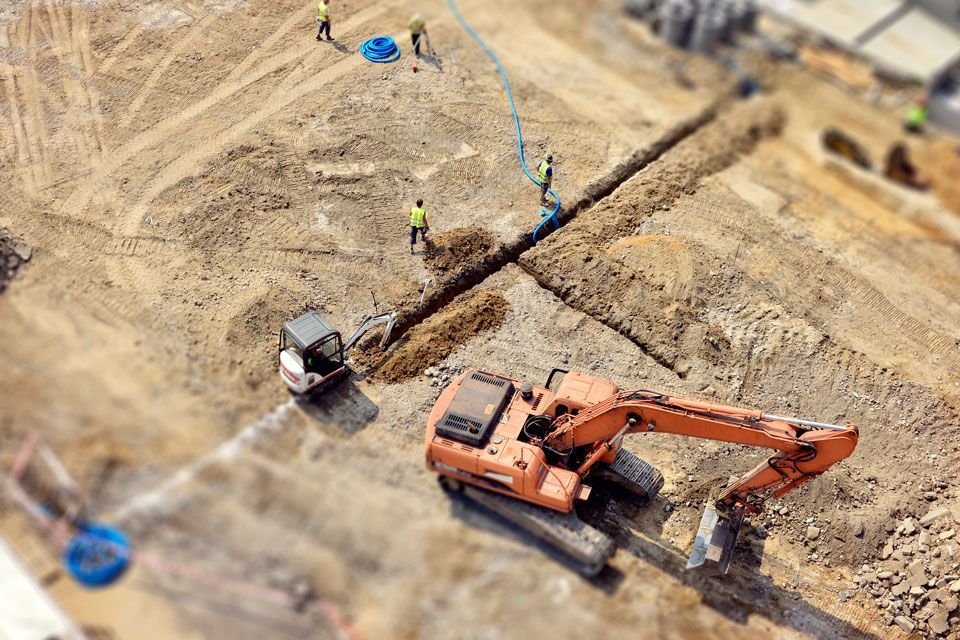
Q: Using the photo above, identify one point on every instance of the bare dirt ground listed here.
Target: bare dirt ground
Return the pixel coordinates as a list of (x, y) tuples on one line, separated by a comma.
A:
[(190, 175)]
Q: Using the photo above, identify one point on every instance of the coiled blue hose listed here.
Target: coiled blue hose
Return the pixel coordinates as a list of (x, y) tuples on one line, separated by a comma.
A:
[(97, 555), (550, 216), (380, 49)]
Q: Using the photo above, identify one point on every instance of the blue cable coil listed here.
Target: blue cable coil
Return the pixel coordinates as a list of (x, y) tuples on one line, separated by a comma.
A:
[(380, 49), (550, 217), (97, 555)]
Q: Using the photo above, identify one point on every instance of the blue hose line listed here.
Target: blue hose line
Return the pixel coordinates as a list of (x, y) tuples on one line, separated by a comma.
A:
[(550, 216), (97, 555), (380, 49)]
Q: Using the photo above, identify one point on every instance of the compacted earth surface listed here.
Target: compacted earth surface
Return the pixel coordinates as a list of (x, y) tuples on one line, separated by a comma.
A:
[(178, 179)]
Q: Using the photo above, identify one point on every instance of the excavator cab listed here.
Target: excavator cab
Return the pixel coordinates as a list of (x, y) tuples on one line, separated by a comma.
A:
[(312, 352)]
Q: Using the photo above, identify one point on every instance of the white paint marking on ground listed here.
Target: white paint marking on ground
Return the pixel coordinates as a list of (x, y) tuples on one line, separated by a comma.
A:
[(152, 500)]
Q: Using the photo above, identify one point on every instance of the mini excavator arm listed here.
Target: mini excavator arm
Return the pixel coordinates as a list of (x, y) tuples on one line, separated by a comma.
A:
[(804, 450)]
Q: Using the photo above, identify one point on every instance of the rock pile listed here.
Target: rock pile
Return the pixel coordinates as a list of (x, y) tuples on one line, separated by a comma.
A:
[(13, 254), (916, 581)]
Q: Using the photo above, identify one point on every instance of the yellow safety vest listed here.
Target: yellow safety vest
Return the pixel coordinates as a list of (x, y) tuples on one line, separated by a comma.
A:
[(417, 216), (542, 172), (917, 116), (323, 12), (417, 25)]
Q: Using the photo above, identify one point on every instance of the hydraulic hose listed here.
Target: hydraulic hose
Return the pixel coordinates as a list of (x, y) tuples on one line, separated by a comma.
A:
[(380, 49), (549, 216)]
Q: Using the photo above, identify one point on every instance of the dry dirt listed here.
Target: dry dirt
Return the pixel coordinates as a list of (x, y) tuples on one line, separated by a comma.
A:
[(468, 315), (190, 175)]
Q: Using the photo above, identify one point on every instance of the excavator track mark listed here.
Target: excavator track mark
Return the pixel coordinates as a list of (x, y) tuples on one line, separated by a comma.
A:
[(587, 547), (634, 474)]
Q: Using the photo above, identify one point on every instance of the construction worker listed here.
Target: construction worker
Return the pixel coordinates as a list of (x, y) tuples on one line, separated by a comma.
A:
[(323, 19), (418, 29), (545, 176), (418, 223), (917, 117)]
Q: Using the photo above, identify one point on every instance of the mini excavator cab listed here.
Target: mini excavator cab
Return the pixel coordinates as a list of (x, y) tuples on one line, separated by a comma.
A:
[(311, 353)]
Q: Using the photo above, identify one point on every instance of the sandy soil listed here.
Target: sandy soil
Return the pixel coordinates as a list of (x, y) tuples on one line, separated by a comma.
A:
[(190, 175)]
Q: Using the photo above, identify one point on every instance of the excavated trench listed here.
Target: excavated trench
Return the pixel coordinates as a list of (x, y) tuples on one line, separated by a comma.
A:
[(460, 270)]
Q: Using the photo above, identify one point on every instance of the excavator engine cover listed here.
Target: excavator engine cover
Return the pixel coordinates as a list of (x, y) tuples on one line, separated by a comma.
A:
[(475, 408)]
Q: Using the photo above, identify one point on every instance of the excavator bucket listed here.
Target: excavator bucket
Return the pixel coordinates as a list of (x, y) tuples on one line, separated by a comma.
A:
[(716, 538)]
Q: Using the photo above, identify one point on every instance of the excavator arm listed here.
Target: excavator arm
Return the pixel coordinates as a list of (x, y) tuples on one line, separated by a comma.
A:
[(804, 450)]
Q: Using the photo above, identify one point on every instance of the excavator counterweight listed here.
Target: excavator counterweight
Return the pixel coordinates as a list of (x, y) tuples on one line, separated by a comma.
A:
[(531, 453)]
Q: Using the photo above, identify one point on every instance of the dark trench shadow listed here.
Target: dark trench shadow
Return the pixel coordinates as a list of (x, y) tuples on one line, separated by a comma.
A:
[(743, 591), (342, 404)]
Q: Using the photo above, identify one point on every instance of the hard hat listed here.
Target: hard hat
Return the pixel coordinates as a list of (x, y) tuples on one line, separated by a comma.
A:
[(549, 157)]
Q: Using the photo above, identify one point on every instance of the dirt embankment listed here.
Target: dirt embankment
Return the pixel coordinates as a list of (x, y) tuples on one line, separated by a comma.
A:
[(13, 254), (436, 338), (576, 264), (940, 162), (452, 252)]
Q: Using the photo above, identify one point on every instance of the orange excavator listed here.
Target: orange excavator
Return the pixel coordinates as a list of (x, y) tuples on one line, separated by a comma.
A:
[(530, 453)]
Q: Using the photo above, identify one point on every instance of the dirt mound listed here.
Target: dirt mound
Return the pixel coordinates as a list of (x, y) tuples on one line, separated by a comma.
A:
[(458, 249), (435, 339), (940, 162), (13, 254)]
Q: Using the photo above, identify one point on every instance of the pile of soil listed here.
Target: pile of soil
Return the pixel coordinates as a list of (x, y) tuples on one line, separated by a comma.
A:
[(940, 162), (13, 254), (442, 333), (458, 249)]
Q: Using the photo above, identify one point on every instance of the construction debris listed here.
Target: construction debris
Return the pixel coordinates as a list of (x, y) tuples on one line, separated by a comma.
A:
[(916, 582), (14, 254)]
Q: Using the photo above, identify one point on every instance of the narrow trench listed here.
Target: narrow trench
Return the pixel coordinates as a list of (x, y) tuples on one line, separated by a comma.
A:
[(412, 314)]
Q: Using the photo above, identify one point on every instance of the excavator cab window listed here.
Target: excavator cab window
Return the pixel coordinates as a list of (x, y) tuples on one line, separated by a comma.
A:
[(324, 357)]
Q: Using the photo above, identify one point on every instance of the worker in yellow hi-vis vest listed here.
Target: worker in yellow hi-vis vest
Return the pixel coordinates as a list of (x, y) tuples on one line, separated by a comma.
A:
[(545, 178), (418, 224), (418, 29), (323, 19)]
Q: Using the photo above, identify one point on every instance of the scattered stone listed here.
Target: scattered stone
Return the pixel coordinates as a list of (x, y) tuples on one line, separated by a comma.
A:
[(934, 515), (905, 623), (938, 622), (917, 591), (813, 533), (924, 538), (858, 530), (946, 535), (955, 587), (23, 250)]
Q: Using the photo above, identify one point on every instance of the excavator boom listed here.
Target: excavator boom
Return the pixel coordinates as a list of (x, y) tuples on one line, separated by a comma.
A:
[(543, 446)]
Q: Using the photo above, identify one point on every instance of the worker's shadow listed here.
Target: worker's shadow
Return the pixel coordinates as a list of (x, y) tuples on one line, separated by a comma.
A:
[(744, 591), (342, 48), (344, 406), (433, 60)]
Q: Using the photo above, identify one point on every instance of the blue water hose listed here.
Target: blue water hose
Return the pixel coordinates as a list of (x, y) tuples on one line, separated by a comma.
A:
[(380, 49), (549, 216), (97, 555)]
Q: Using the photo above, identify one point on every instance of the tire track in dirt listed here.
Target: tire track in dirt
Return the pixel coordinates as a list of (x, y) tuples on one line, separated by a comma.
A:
[(173, 124), (196, 30), (797, 261)]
